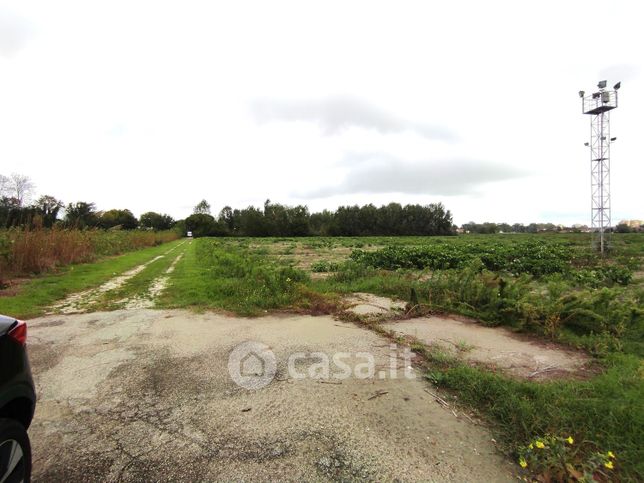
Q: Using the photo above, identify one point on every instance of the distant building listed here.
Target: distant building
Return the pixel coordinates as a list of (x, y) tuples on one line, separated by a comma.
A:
[(580, 227), (632, 223)]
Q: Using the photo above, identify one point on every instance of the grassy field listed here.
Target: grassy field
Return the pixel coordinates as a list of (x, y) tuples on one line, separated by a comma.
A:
[(552, 286)]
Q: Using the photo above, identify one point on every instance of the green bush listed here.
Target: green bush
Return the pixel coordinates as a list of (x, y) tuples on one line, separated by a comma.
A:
[(324, 266)]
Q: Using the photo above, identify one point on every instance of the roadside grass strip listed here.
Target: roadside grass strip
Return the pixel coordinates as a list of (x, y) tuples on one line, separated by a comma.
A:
[(36, 296)]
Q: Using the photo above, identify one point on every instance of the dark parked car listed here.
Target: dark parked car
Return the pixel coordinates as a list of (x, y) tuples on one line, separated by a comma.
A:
[(17, 402)]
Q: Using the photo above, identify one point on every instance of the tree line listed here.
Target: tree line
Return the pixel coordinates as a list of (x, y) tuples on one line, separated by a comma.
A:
[(491, 228), (17, 210), (272, 219), (275, 219)]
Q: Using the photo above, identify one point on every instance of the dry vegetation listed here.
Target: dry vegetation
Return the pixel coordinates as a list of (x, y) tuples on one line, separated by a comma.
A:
[(28, 252)]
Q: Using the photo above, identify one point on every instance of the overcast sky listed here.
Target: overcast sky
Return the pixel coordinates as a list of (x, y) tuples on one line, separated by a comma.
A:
[(156, 105)]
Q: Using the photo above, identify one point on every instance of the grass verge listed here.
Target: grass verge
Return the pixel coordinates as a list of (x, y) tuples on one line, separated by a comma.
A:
[(39, 293), (602, 414)]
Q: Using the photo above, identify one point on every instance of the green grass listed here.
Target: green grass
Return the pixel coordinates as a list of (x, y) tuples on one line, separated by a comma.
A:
[(224, 275), (601, 414), (39, 293)]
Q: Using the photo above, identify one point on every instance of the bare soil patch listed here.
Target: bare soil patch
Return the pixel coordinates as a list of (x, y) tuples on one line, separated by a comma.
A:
[(372, 305), (11, 287), (497, 347), (303, 256)]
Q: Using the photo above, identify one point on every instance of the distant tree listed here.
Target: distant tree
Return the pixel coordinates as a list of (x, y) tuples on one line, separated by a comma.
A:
[(322, 224), (486, 228), (118, 218), (252, 222), (281, 220), (202, 208), (227, 217), (10, 212), (81, 215), (4, 186), (275, 219), (20, 187), (298, 221), (48, 207), (623, 228), (156, 221), (201, 224)]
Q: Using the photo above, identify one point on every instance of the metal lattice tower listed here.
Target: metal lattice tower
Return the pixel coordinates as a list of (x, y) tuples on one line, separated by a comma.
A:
[(598, 105)]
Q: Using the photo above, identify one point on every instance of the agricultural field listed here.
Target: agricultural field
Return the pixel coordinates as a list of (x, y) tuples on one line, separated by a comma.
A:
[(552, 288), (532, 338)]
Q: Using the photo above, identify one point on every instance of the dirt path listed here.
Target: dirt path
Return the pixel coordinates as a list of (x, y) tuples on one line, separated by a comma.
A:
[(155, 289), (82, 301), (136, 395)]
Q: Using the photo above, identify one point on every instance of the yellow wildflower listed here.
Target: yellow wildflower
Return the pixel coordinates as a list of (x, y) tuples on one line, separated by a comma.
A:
[(570, 440), (539, 444), (530, 446), (523, 463), (609, 465), (610, 454)]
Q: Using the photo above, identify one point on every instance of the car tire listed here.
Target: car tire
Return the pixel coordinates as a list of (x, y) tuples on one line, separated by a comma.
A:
[(15, 452)]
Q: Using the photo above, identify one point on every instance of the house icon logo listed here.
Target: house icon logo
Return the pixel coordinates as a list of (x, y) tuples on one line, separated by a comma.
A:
[(252, 365)]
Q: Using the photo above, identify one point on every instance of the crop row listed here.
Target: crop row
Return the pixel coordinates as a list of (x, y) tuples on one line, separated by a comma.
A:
[(535, 257)]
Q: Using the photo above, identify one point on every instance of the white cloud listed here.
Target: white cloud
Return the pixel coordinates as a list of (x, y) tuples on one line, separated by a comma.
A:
[(336, 114), (144, 105), (15, 31), (383, 173)]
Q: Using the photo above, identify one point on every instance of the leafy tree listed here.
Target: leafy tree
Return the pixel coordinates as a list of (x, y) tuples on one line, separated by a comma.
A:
[(253, 223), (10, 212), (227, 217), (81, 215), (298, 221), (202, 208), (322, 224), (118, 218), (48, 207), (202, 224), (275, 219), (156, 221)]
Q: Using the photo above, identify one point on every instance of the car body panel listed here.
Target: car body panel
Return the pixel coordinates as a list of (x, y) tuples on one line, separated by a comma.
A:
[(16, 382)]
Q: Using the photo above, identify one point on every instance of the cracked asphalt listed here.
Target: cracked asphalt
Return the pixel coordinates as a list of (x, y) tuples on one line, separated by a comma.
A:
[(145, 395)]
